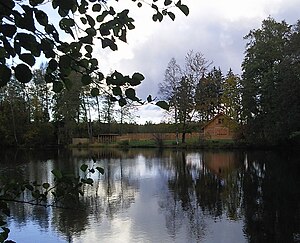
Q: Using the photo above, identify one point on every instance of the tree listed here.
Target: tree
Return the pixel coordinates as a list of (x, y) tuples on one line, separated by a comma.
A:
[(179, 88), (108, 112), (208, 95), (231, 96), (27, 32), (168, 89), (185, 102), (66, 111), (14, 113), (270, 77)]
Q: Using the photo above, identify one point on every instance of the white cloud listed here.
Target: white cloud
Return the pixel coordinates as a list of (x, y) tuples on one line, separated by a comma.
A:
[(215, 28)]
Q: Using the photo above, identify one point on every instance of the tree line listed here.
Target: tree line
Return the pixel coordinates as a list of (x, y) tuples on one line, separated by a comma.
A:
[(34, 115), (264, 99)]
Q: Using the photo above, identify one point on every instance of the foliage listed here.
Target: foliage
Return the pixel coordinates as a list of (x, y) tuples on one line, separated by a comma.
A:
[(28, 32), (196, 94), (270, 84), (65, 192), (178, 88)]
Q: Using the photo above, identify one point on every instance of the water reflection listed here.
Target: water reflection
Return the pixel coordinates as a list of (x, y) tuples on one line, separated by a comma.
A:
[(170, 196)]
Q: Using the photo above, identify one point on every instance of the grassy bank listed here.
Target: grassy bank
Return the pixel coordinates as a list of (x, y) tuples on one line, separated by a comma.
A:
[(190, 143)]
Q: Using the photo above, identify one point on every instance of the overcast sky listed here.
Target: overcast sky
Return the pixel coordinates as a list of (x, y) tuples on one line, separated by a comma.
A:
[(214, 27)]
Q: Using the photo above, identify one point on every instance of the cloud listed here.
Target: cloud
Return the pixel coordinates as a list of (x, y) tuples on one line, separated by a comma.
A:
[(215, 28)]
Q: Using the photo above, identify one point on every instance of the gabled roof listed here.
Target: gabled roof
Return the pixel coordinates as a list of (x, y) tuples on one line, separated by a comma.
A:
[(216, 117)]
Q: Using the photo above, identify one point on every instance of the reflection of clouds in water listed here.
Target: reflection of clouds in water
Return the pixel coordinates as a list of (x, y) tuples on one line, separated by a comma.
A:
[(171, 196)]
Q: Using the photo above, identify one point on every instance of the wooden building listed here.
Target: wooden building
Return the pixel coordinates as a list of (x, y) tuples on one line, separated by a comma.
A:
[(220, 127)]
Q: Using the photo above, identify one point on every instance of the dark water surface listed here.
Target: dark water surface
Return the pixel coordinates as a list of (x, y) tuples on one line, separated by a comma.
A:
[(164, 196)]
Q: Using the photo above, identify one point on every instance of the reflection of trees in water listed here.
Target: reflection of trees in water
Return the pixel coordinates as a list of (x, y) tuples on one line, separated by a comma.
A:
[(119, 186), (178, 200), (71, 222), (218, 187), (114, 191), (24, 213), (111, 193), (271, 197), (209, 184), (264, 190)]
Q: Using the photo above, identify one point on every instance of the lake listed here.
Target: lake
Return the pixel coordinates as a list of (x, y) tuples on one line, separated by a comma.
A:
[(163, 196)]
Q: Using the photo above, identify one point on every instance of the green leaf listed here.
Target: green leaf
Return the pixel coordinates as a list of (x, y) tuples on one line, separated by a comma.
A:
[(51, 30), (49, 77), (57, 173), (100, 169), (52, 65), (29, 187), (87, 39), (95, 92), (117, 91), (2, 52), (107, 42), (154, 6), (136, 79), (28, 58), (83, 20), (86, 79), (130, 93), (8, 30), (5, 74), (35, 2), (96, 7), (89, 48), (25, 21), (89, 181), (138, 76), (28, 41), (102, 16), (122, 102), (167, 2), (84, 167), (41, 17), (90, 20), (171, 15), (149, 98), (183, 8), (23, 73), (65, 62), (57, 86), (47, 47), (162, 104), (46, 185), (100, 76)]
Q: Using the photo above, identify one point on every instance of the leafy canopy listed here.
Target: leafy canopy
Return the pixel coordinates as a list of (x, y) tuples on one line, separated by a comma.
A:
[(27, 33)]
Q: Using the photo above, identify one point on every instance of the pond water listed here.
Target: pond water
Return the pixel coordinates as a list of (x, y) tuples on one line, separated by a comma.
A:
[(164, 196)]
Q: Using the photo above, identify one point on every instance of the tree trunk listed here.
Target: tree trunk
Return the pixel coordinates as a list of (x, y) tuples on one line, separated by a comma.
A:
[(14, 122)]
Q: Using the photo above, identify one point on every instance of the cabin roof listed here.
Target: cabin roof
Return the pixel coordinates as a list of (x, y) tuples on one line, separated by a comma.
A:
[(216, 117)]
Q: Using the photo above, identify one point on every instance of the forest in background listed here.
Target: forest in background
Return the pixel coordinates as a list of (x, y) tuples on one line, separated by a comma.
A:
[(264, 99)]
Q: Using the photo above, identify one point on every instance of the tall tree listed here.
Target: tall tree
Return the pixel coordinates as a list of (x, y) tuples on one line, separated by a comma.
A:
[(169, 87), (67, 110), (108, 112), (262, 78), (179, 88), (231, 96), (186, 106), (208, 94)]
